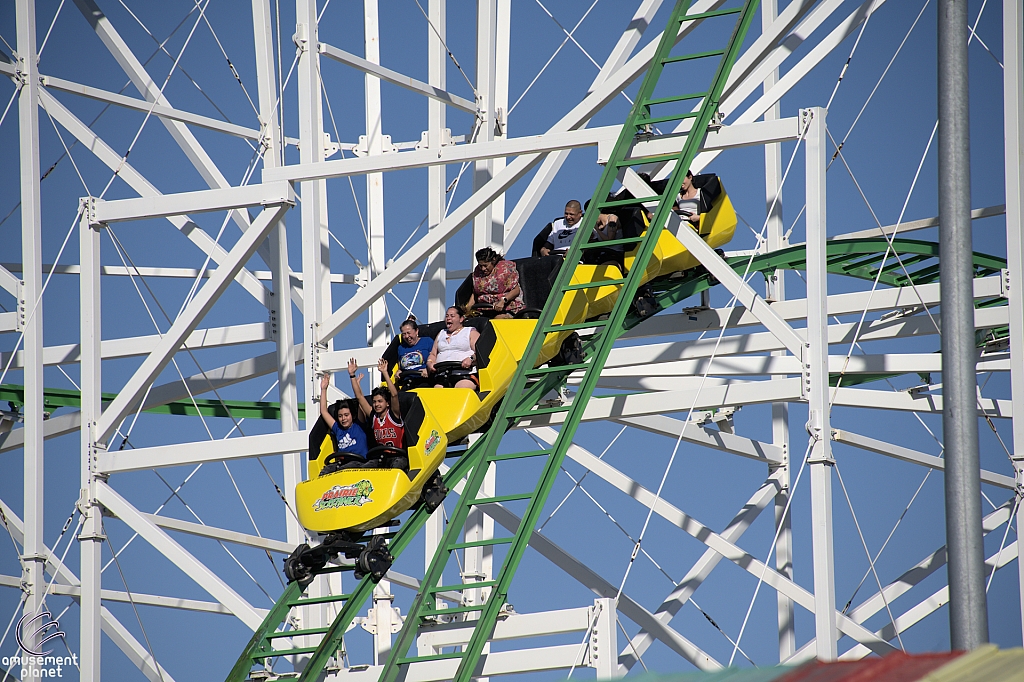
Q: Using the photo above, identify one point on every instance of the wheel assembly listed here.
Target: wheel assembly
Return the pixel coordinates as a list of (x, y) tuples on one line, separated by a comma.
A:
[(375, 560)]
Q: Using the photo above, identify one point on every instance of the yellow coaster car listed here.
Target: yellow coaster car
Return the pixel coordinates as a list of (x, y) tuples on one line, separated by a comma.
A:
[(345, 503)]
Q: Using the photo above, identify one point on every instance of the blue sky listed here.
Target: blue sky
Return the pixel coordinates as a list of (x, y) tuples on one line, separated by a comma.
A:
[(883, 151)]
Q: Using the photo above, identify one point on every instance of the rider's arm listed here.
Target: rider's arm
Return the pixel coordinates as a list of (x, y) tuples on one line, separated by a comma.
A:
[(432, 358), (396, 409), (364, 407), (473, 336), (325, 381)]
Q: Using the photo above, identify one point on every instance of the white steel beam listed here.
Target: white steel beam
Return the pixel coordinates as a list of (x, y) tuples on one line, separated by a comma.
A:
[(914, 457), (211, 337), (33, 557), (727, 137), (712, 438), (204, 531), (178, 555), (316, 251), (377, 327), (170, 113), (140, 459), (282, 326), (91, 538), (142, 598), (887, 299), (1013, 145), (816, 390), (436, 271), (925, 402), (913, 225), (370, 67), (485, 231), (202, 201), (187, 321), (734, 393)]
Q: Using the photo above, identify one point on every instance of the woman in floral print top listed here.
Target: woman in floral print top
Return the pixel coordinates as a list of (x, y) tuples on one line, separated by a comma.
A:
[(496, 290)]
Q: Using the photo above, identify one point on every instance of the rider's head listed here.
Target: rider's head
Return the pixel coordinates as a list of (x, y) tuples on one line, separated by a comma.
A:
[(344, 416), (487, 259), (381, 396), (573, 212), (410, 332), (454, 317)]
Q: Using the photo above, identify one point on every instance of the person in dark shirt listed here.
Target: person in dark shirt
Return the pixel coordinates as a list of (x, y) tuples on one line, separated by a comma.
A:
[(349, 435), (412, 356)]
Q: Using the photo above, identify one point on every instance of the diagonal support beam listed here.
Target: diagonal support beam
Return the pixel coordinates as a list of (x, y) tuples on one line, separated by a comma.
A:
[(913, 456), (396, 78), (601, 587), (727, 549), (702, 568), (178, 555), (738, 287), (144, 188), (189, 319)]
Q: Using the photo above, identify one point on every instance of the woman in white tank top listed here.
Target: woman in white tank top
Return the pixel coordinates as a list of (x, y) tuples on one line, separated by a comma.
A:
[(455, 343)]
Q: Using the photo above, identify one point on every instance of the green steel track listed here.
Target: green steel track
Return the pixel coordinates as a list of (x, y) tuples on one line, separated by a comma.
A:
[(857, 258)]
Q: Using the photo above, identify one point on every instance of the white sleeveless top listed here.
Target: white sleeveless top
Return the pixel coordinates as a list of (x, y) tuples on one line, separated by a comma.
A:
[(454, 347)]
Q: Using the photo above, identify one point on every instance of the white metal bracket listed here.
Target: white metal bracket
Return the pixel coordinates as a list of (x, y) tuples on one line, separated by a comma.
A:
[(446, 139), (301, 37), (331, 148), (362, 148), (1004, 283)]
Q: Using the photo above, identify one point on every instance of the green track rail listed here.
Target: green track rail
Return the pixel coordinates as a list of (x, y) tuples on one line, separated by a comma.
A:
[(522, 399), (857, 258)]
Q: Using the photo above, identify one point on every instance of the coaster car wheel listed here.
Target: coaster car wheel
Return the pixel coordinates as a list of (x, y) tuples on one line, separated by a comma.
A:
[(374, 561), (303, 564), (433, 493)]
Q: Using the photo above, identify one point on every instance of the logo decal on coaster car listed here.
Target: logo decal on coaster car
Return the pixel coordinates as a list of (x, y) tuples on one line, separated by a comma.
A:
[(355, 495), (432, 442)]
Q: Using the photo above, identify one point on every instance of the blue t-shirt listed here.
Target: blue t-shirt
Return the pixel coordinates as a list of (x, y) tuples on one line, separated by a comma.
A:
[(414, 358), (351, 440)]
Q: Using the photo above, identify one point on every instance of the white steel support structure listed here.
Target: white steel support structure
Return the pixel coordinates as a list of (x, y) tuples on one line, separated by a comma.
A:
[(1013, 117), (377, 328), (437, 63), (764, 358), (280, 310), (91, 537), (776, 291), (816, 385), (30, 309)]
